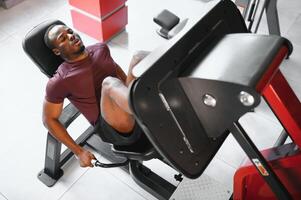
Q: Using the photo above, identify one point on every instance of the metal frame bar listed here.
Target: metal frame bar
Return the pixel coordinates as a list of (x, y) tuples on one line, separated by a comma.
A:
[(52, 170), (281, 139), (286, 106), (270, 7), (272, 17), (259, 162)]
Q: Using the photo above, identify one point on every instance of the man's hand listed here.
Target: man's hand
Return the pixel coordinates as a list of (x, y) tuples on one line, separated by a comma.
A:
[(85, 157)]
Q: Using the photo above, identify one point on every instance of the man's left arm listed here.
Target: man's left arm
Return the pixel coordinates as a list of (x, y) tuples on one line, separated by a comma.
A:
[(120, 74)]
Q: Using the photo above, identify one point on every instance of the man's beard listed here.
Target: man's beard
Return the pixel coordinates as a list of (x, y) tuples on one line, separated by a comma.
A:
[(81, 49)]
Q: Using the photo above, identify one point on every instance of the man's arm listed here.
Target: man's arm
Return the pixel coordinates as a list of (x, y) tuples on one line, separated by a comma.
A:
[(127, 79), (51, 114), (120, 74)]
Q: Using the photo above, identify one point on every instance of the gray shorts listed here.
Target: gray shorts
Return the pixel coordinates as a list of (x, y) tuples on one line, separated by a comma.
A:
[(110, 135)]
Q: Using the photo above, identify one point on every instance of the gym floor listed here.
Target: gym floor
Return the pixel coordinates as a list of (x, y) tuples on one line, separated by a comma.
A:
[(22, 85)]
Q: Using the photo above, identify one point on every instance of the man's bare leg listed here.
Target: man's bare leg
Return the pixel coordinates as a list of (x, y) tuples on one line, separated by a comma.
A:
[(114, 99), (114, 105)]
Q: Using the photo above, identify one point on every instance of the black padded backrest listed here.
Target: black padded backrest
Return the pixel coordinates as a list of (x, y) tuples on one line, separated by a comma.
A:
[(40, 54)]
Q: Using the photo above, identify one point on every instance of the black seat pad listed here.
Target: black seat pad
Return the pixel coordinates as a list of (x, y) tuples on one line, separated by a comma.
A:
[(240, 58), (40, 54)]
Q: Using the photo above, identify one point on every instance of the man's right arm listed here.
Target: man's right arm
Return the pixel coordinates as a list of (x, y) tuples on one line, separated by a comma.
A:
[(51, 114)]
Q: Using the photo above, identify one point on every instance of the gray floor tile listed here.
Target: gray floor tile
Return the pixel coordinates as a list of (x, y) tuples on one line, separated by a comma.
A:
[(291, 70), (231, 152), (28, 12), (286, 19), (124, 177), (261, 130), (266, 112), (10, 23), (3, 35), (99, 184), (141, 31), (294, 32), (20, 74), (295, 85), (23, 152), (291, 6), (220, 171), (291, 67), (121, 56), (59, 13), (2, 197)]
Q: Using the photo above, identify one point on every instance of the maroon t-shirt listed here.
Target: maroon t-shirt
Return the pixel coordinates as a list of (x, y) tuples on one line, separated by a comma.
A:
[(81, 82)]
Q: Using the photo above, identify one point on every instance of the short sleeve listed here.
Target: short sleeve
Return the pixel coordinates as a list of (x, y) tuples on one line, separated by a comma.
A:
[(109, 60), (106, 49), (55, 90)]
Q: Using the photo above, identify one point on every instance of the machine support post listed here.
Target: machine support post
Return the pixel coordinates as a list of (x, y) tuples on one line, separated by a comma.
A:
[(259, 162), (52, 158), (52, 170), (270, 8), (272, 17)]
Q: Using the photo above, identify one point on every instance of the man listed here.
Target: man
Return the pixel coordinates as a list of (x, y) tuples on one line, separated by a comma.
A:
[(95, 84)]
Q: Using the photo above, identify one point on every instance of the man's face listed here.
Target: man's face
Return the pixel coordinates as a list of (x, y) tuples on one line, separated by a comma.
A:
[(67, 43)]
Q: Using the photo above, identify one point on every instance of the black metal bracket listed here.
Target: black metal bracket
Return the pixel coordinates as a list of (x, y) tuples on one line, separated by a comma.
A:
[(150, 181)]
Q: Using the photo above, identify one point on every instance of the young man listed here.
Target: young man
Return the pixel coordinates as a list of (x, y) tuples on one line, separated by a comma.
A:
[(95, 84)]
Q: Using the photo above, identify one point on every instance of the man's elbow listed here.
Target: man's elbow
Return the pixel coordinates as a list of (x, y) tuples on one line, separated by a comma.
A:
[(47, 121)]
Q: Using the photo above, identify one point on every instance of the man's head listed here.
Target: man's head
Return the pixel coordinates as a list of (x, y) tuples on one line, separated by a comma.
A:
[(63, 41)]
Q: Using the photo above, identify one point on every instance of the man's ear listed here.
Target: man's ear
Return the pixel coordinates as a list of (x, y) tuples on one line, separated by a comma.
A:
[(56, 51)]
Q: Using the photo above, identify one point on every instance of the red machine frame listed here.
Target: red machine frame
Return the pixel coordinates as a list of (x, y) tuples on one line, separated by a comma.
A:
[(284, 160)]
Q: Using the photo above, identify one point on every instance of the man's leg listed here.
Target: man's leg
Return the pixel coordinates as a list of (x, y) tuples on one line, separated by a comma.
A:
[(114, 105), (114, 99)]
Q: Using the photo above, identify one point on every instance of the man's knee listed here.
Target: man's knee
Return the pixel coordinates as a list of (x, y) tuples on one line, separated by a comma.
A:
[(109, 83)]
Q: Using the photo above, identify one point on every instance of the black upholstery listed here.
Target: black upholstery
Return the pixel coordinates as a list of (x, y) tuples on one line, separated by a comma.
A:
[(40, 54), (242, 58)]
